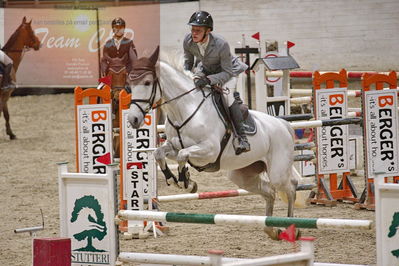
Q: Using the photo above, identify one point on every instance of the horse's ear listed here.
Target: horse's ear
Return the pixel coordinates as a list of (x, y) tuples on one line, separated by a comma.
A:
[(154, 57), (24, 20), (30, 22)]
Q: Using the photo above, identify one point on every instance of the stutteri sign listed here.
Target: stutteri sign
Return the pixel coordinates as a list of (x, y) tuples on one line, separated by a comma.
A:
[(387, 221), (87, 212)]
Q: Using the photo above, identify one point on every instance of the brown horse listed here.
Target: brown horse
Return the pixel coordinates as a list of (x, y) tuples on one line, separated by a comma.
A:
[(118, 81), (117, 84), (19, 42)]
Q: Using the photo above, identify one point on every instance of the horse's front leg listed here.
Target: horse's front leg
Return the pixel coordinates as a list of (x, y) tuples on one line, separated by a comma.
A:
[(7, 114), (160, 154), (204, 151)]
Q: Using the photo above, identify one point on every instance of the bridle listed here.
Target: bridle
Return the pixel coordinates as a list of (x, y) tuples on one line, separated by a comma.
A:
[(151, 99), (27, 46), (155, 86)]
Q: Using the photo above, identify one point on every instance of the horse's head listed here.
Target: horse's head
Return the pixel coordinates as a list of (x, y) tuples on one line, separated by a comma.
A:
[(143, 82), (30, 39)]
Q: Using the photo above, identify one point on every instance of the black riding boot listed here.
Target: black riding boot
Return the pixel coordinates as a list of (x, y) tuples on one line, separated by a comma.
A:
[(7, 80), (238, 121)]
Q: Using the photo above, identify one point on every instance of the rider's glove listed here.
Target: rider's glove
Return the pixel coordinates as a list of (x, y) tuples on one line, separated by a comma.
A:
[(202, 82)]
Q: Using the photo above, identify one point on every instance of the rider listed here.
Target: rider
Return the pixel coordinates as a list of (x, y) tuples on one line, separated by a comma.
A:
[(119, 52), (216, 67), (7, 71)]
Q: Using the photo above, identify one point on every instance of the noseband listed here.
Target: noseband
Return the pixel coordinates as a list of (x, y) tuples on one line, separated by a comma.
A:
[(155, 85)]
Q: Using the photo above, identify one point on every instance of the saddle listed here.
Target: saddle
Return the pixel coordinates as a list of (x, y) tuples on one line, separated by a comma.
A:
[(222, 110), (223, 113)]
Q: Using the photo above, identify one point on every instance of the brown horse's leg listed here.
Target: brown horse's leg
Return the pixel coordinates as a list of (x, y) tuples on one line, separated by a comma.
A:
[(1, 101), (116, 145), (4, 98), (118, 83), (115, 121)]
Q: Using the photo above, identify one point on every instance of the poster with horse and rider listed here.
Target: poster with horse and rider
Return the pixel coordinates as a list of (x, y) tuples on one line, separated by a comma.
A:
[(72, 41)]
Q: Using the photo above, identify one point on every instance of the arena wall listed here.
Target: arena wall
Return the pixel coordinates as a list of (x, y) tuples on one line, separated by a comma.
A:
[(329, 35)]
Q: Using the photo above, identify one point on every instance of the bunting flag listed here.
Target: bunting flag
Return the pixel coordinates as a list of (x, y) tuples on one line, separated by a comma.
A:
[(107, 80), (138, 165), (256, 36), (288, 234), (290, 44), (105, 159)]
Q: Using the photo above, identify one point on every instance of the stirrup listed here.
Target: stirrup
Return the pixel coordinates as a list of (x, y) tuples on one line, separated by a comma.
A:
[(242, 146)]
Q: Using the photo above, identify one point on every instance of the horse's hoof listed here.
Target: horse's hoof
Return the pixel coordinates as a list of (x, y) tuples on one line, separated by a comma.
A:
[(278, 232), (176, 184), (273, 233), (194, 187), (13, 137), (191, 188), (298, 234)]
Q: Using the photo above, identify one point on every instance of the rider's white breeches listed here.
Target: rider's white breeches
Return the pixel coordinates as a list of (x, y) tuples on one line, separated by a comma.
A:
[(5, 59), (231, 84)]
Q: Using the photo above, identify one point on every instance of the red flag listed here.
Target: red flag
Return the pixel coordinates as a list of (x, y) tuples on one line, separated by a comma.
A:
[(290, 44), (256, 36), (105, 159), (106, 80), (288, 234), (137, 164)]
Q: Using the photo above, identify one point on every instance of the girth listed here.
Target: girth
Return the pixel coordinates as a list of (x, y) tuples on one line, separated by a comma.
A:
[(210, 167)]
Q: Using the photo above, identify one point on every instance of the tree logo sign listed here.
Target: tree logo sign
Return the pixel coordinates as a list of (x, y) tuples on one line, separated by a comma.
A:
[(89, 217), (392, 231)]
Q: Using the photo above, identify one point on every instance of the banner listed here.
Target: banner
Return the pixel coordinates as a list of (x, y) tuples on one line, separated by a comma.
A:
[(72, 41), (332, 141), (381, 132)]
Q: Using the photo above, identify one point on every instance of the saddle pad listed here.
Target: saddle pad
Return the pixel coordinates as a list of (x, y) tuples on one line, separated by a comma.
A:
[(250, 125)]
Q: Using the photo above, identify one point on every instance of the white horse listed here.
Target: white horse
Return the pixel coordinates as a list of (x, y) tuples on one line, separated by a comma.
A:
[(197, 130)]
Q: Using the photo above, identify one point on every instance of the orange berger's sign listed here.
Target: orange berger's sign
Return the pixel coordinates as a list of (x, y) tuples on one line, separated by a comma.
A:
[(94, 138), (72, 41)]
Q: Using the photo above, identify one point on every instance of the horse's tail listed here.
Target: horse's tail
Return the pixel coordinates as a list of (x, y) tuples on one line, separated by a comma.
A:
[(294, 173), (290, 129)]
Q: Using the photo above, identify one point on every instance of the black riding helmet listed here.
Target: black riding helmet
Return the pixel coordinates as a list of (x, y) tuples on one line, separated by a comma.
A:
[(118, 22), (201, 18)]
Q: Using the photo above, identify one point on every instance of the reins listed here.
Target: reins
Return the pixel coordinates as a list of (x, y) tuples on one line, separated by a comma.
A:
[(216, 87), (150, 100), (189, 118), (171, 100)]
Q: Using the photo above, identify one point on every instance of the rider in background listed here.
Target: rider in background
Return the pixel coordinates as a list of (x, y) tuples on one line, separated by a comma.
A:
[(7, 71), (216, 67), (119, 52)]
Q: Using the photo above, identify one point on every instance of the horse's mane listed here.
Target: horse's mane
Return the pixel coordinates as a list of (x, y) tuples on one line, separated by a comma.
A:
[(12, 39), (175, 60)]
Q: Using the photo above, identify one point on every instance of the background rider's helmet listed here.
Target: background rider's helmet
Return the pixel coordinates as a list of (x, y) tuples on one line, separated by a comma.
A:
[(201, 18), (118, 22)]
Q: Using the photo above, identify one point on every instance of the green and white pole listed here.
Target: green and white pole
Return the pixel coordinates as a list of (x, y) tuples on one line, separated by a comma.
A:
[(262, 221)]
